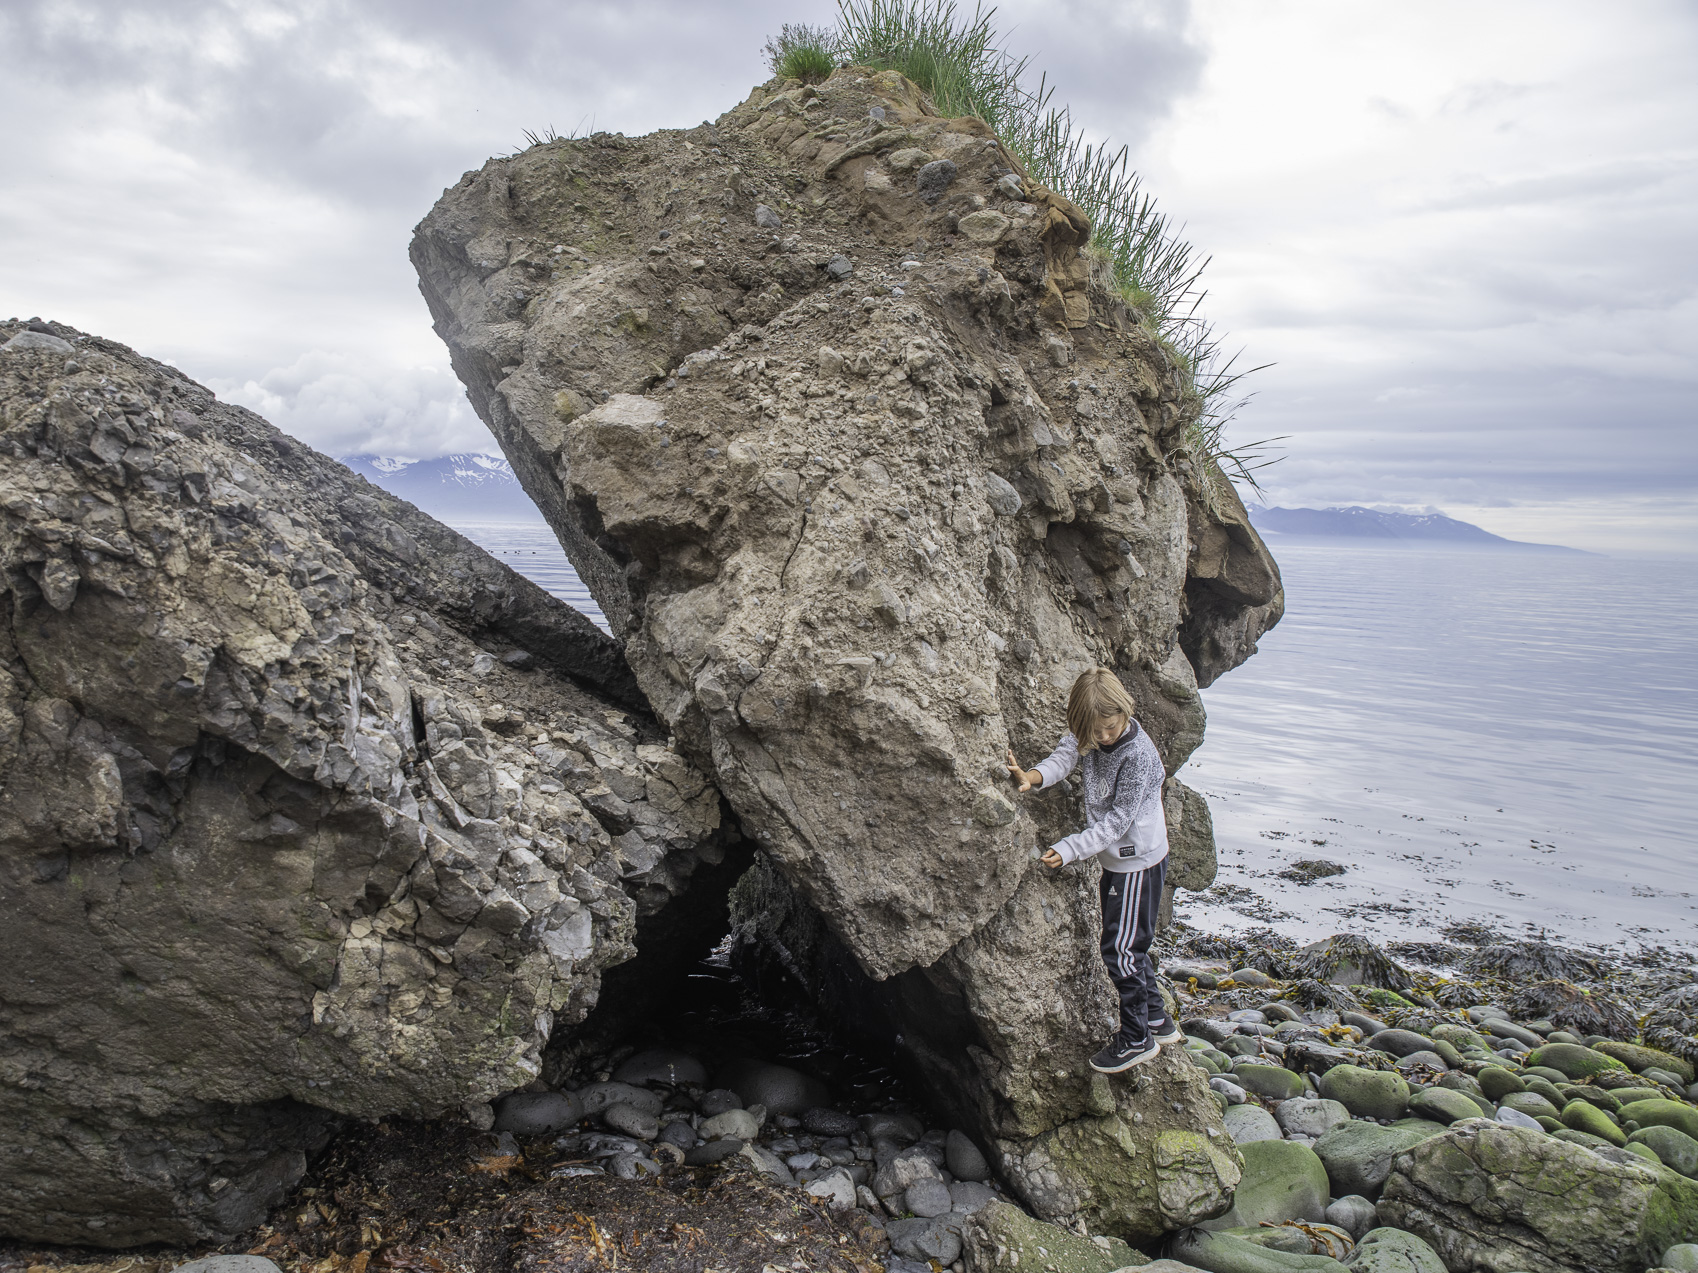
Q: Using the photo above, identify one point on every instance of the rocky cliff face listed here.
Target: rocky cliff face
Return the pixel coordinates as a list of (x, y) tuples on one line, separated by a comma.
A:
[(308, 808), (824, 406)]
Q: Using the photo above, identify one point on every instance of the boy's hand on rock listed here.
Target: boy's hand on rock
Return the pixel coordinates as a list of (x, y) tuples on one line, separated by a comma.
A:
[(1051, 858), (1022, 780)]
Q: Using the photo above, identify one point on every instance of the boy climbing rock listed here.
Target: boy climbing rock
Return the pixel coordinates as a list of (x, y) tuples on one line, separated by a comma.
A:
[(1126, 831)]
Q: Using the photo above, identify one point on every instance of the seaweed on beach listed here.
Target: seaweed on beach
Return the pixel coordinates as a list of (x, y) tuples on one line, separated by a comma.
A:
[(1348, 952), (1566, 1005), (1312, 995), (1524, 960), (1672, 1023), (1433, 954)]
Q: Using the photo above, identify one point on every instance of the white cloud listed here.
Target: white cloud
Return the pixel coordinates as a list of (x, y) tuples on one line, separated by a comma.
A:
[(1460, 232), (344, 405)]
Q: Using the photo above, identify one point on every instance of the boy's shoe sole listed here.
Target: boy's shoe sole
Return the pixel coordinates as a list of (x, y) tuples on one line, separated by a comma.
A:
[(1175, 1035), (1113, 1060)]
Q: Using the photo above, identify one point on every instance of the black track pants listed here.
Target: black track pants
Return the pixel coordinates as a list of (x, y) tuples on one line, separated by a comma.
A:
[(1131, 901)]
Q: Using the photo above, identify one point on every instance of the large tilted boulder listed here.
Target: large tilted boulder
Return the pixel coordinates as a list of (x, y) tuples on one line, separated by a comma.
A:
[(308, 807), (826, 408), (1493, 1199)]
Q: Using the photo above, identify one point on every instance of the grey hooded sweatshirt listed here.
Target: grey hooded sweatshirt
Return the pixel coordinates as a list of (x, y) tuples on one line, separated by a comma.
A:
[(1125, 824)]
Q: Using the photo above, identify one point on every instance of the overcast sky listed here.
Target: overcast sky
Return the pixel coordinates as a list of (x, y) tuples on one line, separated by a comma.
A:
[(1462, 232)]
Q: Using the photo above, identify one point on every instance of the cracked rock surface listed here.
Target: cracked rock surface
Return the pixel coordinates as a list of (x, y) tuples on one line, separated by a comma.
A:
[(309, 809), (827, 409)]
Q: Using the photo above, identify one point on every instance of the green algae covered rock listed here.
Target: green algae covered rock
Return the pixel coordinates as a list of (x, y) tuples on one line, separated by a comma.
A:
[(1003, 1235), (1583, 1116), (1272, 1081), (1531, 1104), (1639, 1058), (1370, 1093), (1674, 1149), (1662, 1113), (1574, 1059), (1393, 1251), (1225, 1253), (1486, 1196), (1358, 1156), (1497, 1082), (1282, 1181), (1442, 1105)]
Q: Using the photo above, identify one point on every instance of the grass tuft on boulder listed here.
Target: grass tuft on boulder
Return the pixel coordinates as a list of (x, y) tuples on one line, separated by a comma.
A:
[(1135, 251)]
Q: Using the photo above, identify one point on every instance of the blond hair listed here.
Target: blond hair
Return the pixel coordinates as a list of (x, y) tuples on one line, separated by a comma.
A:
[(1096, 695)]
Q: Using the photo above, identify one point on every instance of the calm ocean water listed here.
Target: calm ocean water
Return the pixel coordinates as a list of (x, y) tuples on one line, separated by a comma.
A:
[(532, 550), (1508, 738), (1504, 738)]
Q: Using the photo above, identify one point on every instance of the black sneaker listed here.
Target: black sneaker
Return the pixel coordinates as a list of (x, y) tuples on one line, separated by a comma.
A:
[(1120, 1054), (1170, 1033)]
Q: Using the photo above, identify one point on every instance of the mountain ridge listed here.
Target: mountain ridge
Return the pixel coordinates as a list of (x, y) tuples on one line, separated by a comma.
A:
[(1357, 522)]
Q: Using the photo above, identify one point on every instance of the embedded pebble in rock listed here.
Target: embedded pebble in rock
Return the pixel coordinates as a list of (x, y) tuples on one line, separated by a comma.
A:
[(632, 1121), (898, 1174), (1393, 1251), (969, 1197), (738, 1123), (927, 1239), (537, 1113), (1371, 1093), (1282, 1181), (1354, 1214), (1515, 1118), (1443, 1105), (1247, 1123), (1311, 1116), (933, 179), (928, 1197), (1234, 1094), (820, 1121), (720, 1100), (661, 1065), (964, 1159)]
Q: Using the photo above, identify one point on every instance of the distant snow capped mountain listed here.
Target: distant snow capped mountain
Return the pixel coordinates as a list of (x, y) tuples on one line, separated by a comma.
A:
[(451, 487), (1361, 523)]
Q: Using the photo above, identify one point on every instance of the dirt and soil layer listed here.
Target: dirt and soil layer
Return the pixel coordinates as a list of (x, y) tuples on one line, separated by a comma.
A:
[(424, 1198)]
